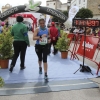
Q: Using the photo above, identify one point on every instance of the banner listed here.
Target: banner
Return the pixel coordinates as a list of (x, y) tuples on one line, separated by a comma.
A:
[(33, 7), (72, 12), (90, 46), (47, 19)]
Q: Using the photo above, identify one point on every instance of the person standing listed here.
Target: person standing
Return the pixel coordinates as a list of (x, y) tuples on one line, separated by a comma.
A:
[(54, 37), (58, 27), (41, 35), (21, 41)]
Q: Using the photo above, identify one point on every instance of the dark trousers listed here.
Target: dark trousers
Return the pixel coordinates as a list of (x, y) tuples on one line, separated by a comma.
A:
[(49, 47), (19, 48), (42, 52)]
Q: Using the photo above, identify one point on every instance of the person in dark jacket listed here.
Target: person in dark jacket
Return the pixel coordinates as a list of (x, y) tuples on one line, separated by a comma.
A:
[(54, 37), (21, 41)]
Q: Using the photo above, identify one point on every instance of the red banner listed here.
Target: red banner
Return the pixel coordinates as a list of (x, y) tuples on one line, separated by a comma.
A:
[(90, 46)]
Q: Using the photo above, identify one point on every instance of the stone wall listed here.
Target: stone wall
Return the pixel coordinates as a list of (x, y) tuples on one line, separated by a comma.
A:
[(93, 6)]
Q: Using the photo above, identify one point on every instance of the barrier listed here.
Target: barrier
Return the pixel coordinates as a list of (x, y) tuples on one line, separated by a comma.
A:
[(28, 16), (71, 36), (90, 49)]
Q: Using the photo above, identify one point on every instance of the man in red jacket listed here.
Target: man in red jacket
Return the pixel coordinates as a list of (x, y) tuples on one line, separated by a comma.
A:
[(54, 37)]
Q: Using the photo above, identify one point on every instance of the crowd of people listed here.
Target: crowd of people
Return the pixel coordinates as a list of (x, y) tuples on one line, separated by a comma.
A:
[(88, 30)]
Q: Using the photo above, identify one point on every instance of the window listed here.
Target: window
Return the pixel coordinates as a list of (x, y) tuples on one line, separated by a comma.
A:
[(79, 1)]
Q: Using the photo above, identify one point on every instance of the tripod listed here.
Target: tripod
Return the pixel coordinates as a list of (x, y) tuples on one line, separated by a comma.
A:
[(83, 67)]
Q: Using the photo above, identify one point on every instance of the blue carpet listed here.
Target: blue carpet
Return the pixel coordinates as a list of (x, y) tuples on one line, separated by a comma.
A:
[(58, 69)]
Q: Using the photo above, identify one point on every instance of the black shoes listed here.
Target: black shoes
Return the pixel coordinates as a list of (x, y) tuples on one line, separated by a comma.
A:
[(11, 68), (22, 68)]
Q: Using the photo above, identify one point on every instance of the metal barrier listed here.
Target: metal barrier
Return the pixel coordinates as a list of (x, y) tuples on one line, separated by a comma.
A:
[(90, 49)]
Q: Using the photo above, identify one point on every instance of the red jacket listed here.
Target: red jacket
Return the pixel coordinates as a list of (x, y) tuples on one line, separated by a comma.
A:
[(53, 32)]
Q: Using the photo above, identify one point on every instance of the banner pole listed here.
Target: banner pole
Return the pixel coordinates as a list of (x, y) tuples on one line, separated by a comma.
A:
[(83, 67), (84, 48)]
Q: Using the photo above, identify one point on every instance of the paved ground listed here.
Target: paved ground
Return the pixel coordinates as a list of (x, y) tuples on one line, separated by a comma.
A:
[(85, 94)]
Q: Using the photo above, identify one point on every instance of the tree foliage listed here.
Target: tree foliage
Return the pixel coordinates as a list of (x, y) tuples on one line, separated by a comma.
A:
[(65, 13), (63, 42), (6, 41), (84, 13)]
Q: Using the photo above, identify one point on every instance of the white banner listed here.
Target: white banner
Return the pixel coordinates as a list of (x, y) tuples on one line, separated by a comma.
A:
[(72, 12), (47, 19)]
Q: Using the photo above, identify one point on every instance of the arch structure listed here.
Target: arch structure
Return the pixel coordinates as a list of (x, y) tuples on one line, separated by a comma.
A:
[(22, 8), (28, 16)]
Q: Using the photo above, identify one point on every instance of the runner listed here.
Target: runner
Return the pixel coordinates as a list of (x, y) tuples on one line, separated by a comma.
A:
[(21, 41), (41, 34)]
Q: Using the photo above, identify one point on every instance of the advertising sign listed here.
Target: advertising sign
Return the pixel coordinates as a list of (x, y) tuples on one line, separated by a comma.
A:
[(90, 46)]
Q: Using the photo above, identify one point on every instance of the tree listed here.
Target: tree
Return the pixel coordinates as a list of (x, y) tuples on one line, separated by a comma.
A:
[(65, 13), (54, 19), (84, 13)]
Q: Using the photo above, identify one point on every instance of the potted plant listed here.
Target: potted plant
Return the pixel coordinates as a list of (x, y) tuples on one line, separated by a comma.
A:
[(1, 82), (63, 45), (6, 49)]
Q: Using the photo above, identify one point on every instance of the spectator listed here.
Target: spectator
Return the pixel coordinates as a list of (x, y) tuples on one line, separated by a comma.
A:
[(1, 28), (54, 37), (58, 27)]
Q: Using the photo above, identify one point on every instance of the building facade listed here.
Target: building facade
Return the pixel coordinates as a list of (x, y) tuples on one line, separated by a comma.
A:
[(79, 3), (57, 4), (93, 5), (6, 7)]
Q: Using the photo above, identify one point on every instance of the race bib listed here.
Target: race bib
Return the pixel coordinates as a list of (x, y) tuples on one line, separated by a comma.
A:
[(43, 41)]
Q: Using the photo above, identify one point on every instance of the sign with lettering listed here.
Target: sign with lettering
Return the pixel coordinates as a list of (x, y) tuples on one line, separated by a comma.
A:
[(90, 46), (86, 22), (33, 6)]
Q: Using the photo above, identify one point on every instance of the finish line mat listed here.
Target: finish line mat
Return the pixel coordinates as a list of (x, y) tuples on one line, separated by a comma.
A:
[(41, 87), (58, 69)]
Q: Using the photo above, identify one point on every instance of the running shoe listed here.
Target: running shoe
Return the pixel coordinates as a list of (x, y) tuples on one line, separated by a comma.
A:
[(40, 70), (46, 78)]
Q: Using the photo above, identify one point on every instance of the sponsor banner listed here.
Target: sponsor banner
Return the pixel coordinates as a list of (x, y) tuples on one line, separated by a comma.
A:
[(33, 7), (90, 46), (72, 12), (47, 20)]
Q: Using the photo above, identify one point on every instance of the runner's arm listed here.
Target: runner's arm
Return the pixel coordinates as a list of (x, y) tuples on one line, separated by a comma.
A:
[(35, 37)]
